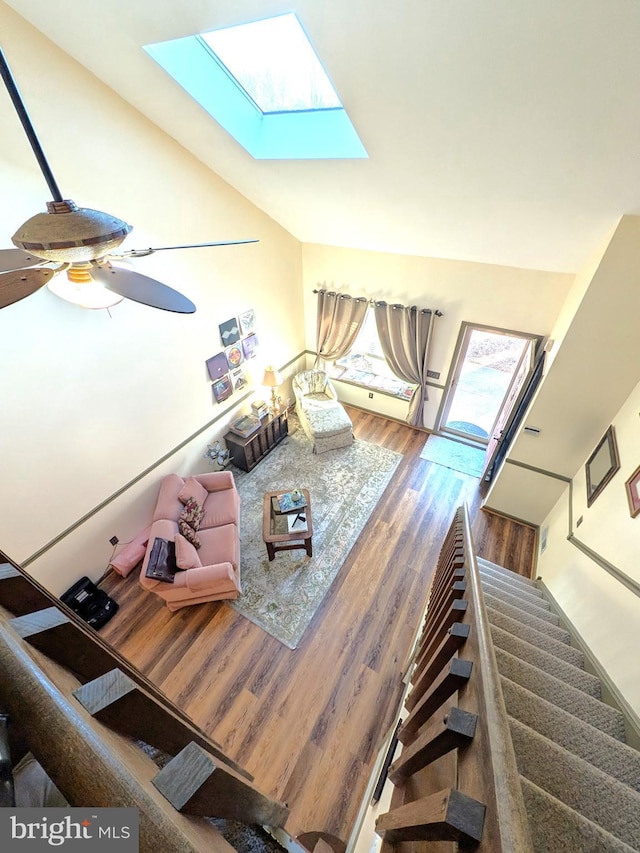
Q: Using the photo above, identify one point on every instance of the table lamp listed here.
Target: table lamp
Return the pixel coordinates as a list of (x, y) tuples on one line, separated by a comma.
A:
[(272, 379)]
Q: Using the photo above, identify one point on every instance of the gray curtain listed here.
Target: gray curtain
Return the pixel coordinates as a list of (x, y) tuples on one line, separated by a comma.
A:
[(405, 335), (340, 317)]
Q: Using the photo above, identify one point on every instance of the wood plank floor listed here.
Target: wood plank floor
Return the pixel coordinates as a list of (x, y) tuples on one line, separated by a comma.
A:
[(308, 723)]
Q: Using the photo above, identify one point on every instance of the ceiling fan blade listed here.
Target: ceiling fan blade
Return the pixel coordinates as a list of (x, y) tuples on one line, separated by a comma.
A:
[(17, 284), (16, 259), (140, 288), (141, 253)]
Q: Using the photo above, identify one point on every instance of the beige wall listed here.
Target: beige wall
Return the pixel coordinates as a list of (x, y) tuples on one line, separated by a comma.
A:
[(593, 372), (91, 399), (604, 611), (506, 297)]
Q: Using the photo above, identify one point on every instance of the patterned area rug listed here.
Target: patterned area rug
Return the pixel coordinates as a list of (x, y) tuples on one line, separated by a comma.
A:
[(453, 454), (345, 485)]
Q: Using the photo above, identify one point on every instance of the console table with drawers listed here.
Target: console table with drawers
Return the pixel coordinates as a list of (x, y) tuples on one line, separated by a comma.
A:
[(247, 452)]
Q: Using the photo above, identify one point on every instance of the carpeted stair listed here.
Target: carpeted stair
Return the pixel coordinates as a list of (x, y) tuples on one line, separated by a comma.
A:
[(580, 780)]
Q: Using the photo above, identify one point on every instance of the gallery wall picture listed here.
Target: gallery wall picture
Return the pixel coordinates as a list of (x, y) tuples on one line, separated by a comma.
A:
[(217, 366), (222, 389), (239, 379), (601, 466), (632, 486), (247, 321), (229, 332), (250, 346), (234, 355)]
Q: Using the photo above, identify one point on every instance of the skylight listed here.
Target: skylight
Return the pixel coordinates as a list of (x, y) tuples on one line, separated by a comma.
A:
[(275, 64), (263, 82)]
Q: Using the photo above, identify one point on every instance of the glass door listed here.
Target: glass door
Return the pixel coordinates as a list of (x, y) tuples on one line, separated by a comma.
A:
[(486, 364)]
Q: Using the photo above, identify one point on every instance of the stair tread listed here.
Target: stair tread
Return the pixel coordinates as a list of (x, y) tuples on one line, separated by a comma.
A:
[(567, 672), (594, 794), (529, 593), (554, 690), (557, 828), (584, 740), (482, 561), (544, 625), (536, 638), (540, 612)]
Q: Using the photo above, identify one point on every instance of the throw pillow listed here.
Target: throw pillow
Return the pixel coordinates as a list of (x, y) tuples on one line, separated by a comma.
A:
[(189, 533), (192, 489), (192, 513), (186, 554)]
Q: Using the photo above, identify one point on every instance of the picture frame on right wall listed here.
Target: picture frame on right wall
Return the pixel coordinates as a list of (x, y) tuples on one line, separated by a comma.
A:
[(632, 486), (602, 465)]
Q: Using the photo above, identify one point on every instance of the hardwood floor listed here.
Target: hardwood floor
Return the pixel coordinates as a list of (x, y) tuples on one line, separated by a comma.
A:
[(308, 723)]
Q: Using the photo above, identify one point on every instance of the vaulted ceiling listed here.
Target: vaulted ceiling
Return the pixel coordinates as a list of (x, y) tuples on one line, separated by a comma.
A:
[(499, 131)]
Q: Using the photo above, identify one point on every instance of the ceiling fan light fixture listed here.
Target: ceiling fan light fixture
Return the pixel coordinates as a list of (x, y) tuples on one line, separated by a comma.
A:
[(78, 287), (67, 233)]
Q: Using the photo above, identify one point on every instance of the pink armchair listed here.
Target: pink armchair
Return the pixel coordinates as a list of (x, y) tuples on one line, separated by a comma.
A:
[(211, 572)]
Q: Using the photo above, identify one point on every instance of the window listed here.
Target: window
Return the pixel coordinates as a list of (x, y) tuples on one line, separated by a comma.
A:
[(264, 83), (366, 365), (275, 64)]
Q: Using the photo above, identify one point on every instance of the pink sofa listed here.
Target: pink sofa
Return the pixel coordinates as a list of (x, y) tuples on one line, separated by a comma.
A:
[(214, 571)]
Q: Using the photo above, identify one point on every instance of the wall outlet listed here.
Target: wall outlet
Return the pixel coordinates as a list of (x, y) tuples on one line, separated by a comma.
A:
[(433, 374), (114, 540), (370, 395)]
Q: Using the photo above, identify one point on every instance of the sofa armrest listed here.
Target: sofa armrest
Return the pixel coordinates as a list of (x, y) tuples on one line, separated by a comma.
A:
[(205, 578), (216, 481)]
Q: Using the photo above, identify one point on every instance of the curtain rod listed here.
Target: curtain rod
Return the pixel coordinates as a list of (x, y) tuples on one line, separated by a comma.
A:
[(381, 302)]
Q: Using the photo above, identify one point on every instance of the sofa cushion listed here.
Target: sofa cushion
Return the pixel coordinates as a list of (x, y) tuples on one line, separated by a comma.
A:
[(192, 489), (220, 545), (220, 508), (186, 554)]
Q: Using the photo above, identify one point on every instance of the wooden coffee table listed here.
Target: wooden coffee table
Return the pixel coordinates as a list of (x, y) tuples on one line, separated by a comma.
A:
[(275, 527)]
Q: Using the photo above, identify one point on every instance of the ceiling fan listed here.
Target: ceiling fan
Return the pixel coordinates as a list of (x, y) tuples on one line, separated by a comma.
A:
[(83, 243)]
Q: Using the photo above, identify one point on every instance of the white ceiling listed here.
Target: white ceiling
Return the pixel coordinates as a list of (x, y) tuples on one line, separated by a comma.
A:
[(501, 131)]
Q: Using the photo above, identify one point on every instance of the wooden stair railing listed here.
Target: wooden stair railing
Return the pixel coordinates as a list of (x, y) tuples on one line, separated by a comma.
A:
[(200, 779), (456, 781)]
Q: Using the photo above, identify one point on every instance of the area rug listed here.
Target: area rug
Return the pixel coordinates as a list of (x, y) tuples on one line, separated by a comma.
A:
[(345, 485), (453, 454)]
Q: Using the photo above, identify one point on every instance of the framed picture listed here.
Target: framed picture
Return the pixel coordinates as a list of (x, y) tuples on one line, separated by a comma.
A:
[(602, 465), (234, 355), (248, 321), (222, 389), (249, 346), (633, 492), (229, 332), (217, 366), (239, 379)]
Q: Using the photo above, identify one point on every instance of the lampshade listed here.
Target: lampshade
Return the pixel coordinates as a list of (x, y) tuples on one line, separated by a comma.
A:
[(78, 287), (272, 377)]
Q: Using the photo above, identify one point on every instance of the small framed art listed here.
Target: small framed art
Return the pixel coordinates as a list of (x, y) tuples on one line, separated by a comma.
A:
[(248, 321), (633, 492), (234, 355), (229, 332), (217, 366), (602, 465), (222, 389), (249, 346)]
